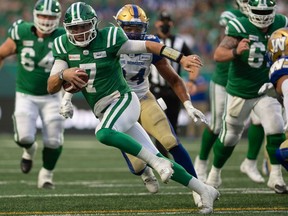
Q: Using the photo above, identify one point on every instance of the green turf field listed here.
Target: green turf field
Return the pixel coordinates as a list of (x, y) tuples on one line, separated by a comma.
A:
[(92, 179)]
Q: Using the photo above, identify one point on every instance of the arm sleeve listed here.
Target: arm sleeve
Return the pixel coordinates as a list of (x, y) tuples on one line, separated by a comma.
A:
[(58, 66), (133, 46)]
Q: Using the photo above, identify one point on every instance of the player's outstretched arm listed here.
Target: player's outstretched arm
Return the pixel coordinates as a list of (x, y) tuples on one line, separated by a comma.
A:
[(6, 49)]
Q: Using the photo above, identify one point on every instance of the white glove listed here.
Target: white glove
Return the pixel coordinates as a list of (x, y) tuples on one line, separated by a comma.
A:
[(268, 89), (66, 109), (194, 113)]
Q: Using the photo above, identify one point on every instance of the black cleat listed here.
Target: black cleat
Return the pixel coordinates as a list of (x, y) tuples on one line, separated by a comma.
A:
[(26, 165), (48, 185), (280, 189)]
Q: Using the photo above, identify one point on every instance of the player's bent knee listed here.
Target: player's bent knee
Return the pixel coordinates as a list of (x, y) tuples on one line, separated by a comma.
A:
[(27, 140), (168, 141)]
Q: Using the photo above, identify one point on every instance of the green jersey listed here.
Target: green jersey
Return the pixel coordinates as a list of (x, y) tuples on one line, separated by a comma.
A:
[(220, 75), (249, 72), (34, 56), (100, 61)]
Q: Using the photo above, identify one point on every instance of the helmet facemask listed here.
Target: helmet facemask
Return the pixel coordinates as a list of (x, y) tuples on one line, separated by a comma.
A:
[(261, 14), (79, 38), (51, 9)]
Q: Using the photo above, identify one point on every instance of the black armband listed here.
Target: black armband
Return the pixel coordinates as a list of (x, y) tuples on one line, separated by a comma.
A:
[(234, 52), (171, 54)]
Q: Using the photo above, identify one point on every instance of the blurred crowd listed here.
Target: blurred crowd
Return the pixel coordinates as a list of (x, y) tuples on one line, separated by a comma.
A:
[(195, 20)]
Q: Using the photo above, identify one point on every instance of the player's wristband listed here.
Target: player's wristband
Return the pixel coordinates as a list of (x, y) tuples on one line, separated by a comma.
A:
[(60, 74), (171, 54), (234, 52)]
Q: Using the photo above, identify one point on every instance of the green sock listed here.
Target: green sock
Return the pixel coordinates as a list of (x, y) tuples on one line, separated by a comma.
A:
[(273, 143), (50, 157), (119, 140), (180, 175), (221, 153), (208, 139), (255, 140)]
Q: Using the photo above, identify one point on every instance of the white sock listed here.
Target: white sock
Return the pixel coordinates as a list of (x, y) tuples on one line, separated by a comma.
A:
[(147, 156), (197, 186)]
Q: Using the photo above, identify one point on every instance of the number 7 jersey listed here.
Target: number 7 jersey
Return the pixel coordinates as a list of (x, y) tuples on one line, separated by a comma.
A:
[(34, 56)]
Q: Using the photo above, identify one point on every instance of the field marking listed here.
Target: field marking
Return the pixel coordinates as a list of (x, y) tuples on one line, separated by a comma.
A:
[(156, 211)]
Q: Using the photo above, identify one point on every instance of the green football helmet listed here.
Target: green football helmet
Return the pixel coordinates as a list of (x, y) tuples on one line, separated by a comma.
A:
[(261, 12), (80, 23), (50, 8)]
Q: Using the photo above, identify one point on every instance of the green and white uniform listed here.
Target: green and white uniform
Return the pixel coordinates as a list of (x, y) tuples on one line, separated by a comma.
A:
[(35, 60), (217, 91), (247, 74)]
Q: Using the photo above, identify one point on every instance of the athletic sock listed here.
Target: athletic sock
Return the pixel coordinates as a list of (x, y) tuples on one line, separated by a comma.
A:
[(181, 156), (255, 140), (50, 157), (273, 143), (221, 153), (208, 139)]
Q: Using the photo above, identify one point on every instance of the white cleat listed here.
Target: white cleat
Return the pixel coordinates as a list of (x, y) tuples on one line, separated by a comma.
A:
[(249, 167), (45, 179), (276, 181), (164, 169), (208, 198), (201, 168), (214, 177), (150, 181), (197, 199)]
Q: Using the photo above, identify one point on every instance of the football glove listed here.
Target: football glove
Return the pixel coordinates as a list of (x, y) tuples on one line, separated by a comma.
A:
[(268, 89), (66, 109), (194, 113)]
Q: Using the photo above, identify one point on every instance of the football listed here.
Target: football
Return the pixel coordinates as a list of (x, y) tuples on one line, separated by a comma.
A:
[(69, 88)]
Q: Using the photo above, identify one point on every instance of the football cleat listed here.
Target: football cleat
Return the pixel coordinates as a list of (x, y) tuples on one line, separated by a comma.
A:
[(27, 158), (45, 179), (164, 169), (276, 181), (214, 177), (150, 181), (249, 167), (208, 198), (201, 168), (197, 199)]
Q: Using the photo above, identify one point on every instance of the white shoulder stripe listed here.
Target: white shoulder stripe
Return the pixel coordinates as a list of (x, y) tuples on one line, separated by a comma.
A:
[(228, 15), (238, 26), (114, 36), (61, 45), (109, 37), (56, 45), (14, 33)]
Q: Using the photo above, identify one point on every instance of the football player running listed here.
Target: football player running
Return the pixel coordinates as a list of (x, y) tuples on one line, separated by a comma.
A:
[(32, 43), (136, 69), (217, 100), (278, 56), (97, 53), (245, 45)]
